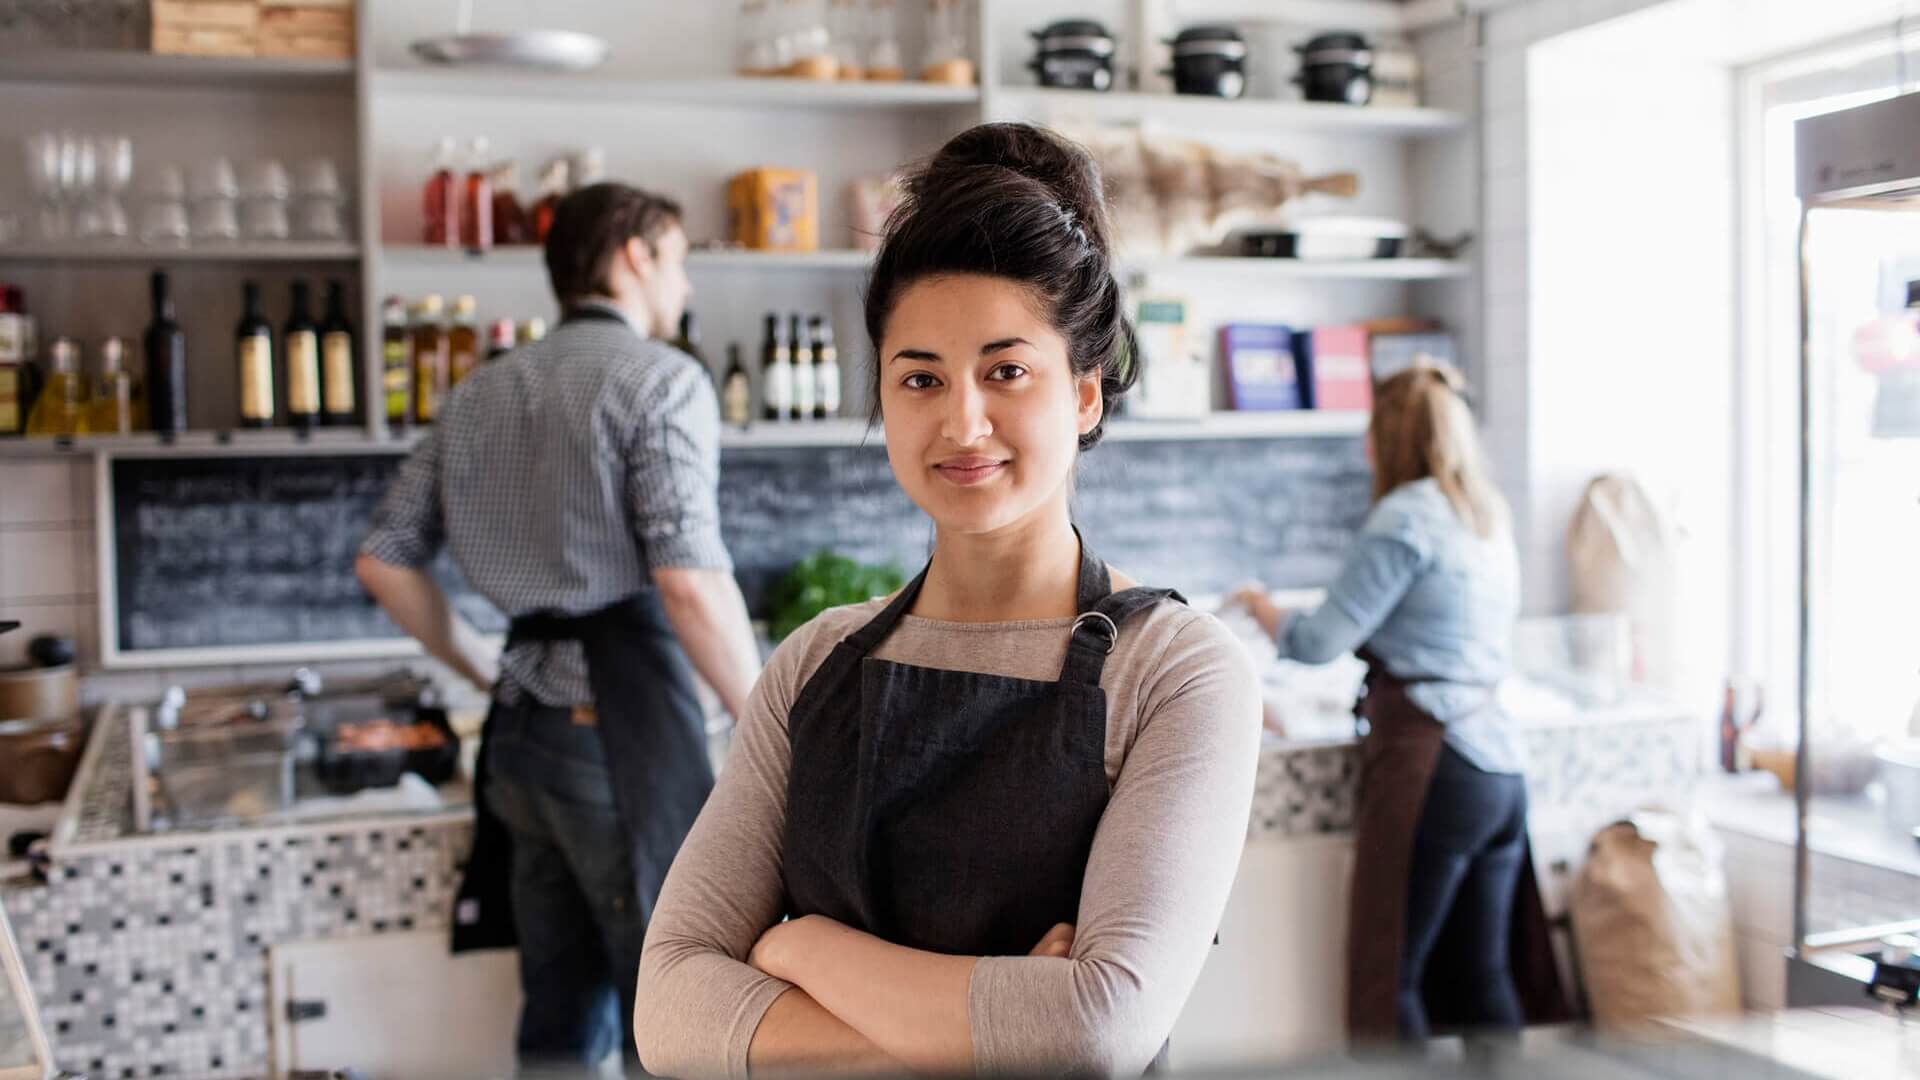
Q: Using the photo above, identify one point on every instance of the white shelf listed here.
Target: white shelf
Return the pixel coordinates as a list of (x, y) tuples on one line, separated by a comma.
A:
[(1190, 112), (217, 253), (109, 67), (770, 435), (240, 443), (733, 92), (530, 257), (417, 256), (1305, 269)]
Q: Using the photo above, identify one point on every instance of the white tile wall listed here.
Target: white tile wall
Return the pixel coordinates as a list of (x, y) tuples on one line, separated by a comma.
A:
[(46, 554)]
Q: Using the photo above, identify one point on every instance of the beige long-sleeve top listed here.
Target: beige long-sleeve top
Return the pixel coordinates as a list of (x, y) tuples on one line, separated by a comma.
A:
[(1183, 730)]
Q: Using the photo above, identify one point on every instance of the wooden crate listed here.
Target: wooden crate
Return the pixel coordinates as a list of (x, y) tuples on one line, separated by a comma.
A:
[(307, 28), (205, 27)]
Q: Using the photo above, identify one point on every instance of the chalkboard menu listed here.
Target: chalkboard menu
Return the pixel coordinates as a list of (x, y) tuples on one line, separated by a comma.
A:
[(1201, 516), (230, 554), (225, 553)]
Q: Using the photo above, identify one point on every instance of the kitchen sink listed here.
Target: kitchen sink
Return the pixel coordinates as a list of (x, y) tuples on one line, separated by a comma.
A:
[(226, 773)]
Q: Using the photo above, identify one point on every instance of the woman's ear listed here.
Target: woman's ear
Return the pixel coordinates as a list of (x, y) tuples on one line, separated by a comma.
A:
[(1092, 407)]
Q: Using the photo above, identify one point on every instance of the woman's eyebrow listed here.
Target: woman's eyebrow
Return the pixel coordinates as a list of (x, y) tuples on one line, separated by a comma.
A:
[(1004, 343), (916, 354)]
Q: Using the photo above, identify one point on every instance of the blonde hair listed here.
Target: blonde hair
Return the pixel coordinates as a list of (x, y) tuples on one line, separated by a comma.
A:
[(1421, 427)]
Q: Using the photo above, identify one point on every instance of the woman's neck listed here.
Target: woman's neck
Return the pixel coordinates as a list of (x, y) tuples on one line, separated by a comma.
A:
[(1030, 570)]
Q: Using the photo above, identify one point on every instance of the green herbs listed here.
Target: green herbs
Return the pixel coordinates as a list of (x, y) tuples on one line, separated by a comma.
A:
[(823, 580)]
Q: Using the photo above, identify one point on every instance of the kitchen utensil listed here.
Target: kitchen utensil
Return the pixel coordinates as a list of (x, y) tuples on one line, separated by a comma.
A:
[(38, 758), (49, 650), (1073, 54), (1210, 61), (1329, 238), (1336, 67), (554, 50), (39, 692)]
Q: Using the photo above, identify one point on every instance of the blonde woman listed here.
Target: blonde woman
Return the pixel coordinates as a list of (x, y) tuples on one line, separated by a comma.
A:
[(1428, 599)]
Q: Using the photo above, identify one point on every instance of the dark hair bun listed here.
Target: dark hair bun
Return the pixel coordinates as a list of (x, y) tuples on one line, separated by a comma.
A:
[(1017, 202), (1065, 169)]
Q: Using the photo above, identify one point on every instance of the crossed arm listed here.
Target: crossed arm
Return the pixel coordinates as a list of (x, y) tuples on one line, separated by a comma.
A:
[(726, 987)]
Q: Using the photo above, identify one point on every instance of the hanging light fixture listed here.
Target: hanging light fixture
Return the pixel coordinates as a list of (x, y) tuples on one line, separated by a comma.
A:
[(547, 50)]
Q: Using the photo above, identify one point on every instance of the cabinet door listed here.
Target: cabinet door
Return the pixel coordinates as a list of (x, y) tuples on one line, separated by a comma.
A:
[(1275, 988), (393, 1005)]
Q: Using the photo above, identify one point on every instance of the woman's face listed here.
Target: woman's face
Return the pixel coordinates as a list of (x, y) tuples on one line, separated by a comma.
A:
[(983, 415)]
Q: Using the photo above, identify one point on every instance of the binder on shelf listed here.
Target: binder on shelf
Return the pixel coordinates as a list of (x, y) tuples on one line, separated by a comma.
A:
[(1262, 367)]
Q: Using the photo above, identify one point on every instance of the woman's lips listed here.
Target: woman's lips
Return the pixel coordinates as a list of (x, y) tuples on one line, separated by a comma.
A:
[(969, 471)]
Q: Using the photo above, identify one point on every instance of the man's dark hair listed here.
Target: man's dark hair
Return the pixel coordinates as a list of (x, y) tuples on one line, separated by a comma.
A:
[(590, 225)]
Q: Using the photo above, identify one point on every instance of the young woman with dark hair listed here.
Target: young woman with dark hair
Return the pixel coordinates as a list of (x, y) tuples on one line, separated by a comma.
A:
[(989, 823)]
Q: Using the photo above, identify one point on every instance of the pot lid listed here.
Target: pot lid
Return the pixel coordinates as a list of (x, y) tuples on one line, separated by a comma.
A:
[(1073, 28)]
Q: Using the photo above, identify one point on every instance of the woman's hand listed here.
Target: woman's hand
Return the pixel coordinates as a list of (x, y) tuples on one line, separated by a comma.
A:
[(1057, 943), (1265, 612), (776, 950)]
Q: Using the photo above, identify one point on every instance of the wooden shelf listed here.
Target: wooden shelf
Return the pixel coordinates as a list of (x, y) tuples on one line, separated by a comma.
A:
[(733, 92), (110, 67), (1244, 117), (293, 251)]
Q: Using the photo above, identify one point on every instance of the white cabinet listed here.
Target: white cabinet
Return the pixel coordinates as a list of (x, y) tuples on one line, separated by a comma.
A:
[(393, 1005), (1275, 988)]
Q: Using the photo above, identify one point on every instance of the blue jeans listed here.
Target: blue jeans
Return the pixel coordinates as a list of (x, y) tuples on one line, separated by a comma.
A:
[(1455, 972), (573, 886)]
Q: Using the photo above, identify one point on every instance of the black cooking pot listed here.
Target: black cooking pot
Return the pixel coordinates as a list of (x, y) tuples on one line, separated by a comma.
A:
[(1074, 54), (1336, 67), (1210, 61)]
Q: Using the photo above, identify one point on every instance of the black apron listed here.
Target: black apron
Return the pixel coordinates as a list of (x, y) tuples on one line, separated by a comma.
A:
[(946, 810), (652, 729), (1399, 749)]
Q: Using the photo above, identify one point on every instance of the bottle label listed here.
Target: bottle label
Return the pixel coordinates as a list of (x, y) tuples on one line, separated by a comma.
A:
[(9, 399), (396, 381), (256, 378), (336, 353), (779, 389), (738, 399), (826, 391), (803, 387), (303, 373)]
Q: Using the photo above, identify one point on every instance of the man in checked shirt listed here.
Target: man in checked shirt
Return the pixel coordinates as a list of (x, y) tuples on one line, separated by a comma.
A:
[(573, 481)]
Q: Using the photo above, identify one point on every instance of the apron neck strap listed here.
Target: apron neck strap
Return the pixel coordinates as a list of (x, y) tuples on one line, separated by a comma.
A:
[(1097, 630), (1093, 587)]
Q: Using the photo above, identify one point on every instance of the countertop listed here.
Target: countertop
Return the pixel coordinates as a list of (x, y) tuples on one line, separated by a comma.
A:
[(1852, 827)]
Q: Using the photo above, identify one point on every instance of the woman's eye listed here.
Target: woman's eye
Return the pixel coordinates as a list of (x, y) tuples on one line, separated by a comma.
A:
[(1006, 372), (919, 380)]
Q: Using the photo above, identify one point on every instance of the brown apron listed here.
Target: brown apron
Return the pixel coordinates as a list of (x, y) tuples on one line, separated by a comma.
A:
[(1397, 758)]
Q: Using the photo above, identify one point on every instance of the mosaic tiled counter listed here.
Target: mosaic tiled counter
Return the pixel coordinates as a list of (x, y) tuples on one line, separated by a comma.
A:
[(148, 954), (1596, 763)]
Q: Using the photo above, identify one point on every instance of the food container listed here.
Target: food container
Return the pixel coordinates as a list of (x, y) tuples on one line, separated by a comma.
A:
[(1209, 61), (1073, 54), (38, 758), (1329, 238), (344, 767), (1336, 67), (774, 210), (30, 693)]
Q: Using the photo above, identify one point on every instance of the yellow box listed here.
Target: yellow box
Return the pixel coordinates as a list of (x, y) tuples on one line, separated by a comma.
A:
[(774, 210)]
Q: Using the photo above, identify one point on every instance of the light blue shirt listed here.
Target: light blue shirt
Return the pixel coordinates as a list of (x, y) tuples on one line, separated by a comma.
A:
[(1433, 600)]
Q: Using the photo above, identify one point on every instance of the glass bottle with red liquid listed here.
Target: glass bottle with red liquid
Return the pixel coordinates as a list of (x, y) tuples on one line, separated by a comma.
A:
[(441, 207), (476, 210), (553, 188), (510, 224)]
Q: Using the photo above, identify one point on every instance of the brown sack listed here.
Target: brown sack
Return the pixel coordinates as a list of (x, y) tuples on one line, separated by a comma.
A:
[(1651, 923)]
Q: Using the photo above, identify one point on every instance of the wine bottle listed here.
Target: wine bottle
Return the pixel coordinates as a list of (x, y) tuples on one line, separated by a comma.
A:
[(253, 353), (301, 343), (166, 348)]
